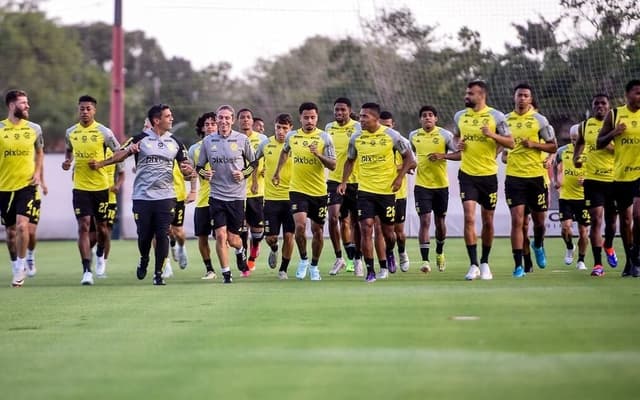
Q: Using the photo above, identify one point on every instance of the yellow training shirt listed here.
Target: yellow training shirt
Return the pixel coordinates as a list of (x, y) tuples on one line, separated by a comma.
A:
[(479, 154), (374, 151), (627, 144), (571, 188), (307, 172), (340, 135), (524, 162), (18, 144), (255, 139), (86, 144), (270, 149), (203, 188), (598, 164), (431, 174)]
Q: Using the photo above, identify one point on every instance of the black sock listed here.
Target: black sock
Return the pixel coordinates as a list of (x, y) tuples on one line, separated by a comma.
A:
[(284, 264), (538, 241), (472, 251), (485, 254), (172, 242), (208, 266), (99, 251), (274, 248), (314, 262), (580, 257), (358, 254), (86, 265), (528, 262), (383, 264), (350, 248), (424, 251), (338, 253), (597, 255), (244, 235), (241, 260), (369, 263), (439, 246), (517, 257), (569, 242), (144, 262), (608, 241), (303, 256), (401, 247)]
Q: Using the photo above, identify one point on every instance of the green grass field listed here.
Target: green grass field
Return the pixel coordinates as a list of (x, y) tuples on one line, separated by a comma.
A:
[(556, 334)]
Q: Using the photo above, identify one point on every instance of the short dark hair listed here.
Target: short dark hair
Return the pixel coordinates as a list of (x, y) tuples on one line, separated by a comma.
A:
[(597, 95), (307, 106), (386, 115), (156, 111), (342, 100), (284, 119), (523, 85), (631, 84), (201, 120), (428, 108), (256, 119), (12, 95), (243, 110), (87, 99), (479, 83), (375, 107)]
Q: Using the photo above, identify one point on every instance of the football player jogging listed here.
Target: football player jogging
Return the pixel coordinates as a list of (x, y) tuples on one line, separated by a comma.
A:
[(205, 126), (622, 127), (312, 152), (572, 207), (342, 209), (87, 141), (116, 175), (34, 217), (479, 131), (154, 196), (373, 148), (254, 210), (598, 183), (277, 207), (525, 185), (22, 145), (433, 146), (231, 158)]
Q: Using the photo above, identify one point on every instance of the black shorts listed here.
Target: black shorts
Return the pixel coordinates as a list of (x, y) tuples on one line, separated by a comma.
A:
[(371, 205), (202, 221), (153, 216), (227, 213), (16, 203), (278, 213), (599, 194), (91, 203), (348, 202), (624, 192), (314, 206), (112, 210), (530, 192), (401, 211), (254, 213), (574, 210), (427, 200), (481, 189), (178, 214)]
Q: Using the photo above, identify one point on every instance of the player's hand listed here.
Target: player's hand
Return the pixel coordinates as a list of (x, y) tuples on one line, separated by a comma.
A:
[(435, 156), (186, 168), (526, 143), (313, 148), (620, 128), (45, 189), (395, 186), (581, 181), (341, 189), (254, 187), (237, 175), (191, 197), (35, 179), (93, 164), (485, 130), (66, 164), (275, 180), (461, 145), (114, 189), (133, 148), (207, 174)]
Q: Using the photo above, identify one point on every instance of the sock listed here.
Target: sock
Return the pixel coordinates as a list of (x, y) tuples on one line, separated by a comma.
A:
[(472, 251), (31, 254), (358, 254), (517, 257), (580, 257), (172, 243), (207, 265), (244, 235), (383, 264), (485, 254), (86, 265), (240, 259), (424, 251), (99, 251), (597, 255), (303, 255), (284, 264), (439, 246), (538, 241), (528, 262), (314, 262), (401, 247), (350, 248), (608, 241), (569, 242), (369, 263), (256, 238), (274, 247), (338, 253)]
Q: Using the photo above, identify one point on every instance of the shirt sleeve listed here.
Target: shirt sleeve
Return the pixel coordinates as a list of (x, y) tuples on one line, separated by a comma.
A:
[(249, 154), (109, 138), (329, 150), (352, 152), (546, 131), (448, 140), (502, 128), (287, 146), (260, 149)]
